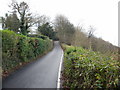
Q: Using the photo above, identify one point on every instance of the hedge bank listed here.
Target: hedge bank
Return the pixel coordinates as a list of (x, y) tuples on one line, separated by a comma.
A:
[(89, 70), (17, 49)]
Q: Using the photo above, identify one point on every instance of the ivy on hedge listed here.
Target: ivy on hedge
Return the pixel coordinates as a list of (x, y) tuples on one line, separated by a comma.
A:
[(17, 48)]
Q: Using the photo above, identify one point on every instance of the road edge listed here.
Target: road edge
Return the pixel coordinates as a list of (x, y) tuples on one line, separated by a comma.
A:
[(59, 71)]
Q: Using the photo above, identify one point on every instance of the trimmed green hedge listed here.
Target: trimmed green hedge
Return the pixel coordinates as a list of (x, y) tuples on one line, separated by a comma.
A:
[(38, 36), (88, 69), (17, 48)]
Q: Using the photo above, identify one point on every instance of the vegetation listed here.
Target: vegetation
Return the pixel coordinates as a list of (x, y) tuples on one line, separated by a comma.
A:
[(87, 40), (26, 19), (20, 19), (12, 22), (47, 30), (38, 36), (17, 49), (77, 36), (90, 62), (64, 28), (88, 69)]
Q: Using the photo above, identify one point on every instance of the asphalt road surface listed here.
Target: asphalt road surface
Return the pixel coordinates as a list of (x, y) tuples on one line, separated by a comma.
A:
[(42, 73)]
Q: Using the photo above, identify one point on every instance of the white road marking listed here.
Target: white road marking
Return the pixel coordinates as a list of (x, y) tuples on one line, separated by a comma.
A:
[(59, 72)]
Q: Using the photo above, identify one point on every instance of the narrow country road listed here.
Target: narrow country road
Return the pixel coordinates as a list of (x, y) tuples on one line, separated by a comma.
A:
[(42, 73)]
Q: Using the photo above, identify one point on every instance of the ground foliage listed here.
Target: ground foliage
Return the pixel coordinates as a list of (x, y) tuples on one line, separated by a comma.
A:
[(88, 69)]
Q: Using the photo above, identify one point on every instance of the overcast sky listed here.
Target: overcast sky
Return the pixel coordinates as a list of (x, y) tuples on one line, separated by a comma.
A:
[(101, 14)]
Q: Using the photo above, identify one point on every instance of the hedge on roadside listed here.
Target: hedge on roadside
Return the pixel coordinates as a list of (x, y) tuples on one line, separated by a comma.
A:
[(38, 36), (17, 48), (88, 69)]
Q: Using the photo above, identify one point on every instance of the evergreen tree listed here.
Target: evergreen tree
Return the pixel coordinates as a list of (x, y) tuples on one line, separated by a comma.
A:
[(47, 30)]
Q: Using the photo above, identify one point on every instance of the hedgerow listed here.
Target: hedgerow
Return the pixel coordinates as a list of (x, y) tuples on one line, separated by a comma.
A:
[(88, 69), (17, 48), (38, 36)]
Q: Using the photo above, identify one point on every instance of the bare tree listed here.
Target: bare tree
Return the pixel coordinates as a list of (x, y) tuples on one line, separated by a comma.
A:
[(90, 35), (25, 16), (64, 29), (41, 20), (80, 38)]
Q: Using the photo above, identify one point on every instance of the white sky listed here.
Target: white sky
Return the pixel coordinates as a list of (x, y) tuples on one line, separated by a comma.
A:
[(101, 14)]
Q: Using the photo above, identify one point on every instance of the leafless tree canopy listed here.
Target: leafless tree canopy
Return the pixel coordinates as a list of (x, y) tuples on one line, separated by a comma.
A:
[(25, 16), (64, 29)]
